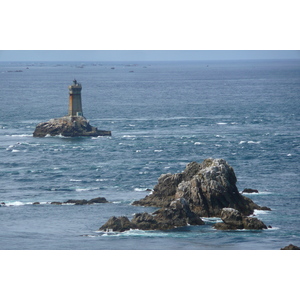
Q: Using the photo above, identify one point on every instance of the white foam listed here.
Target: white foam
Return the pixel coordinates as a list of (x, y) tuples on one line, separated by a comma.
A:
[(261, 212), (158, 150), (86, 189), (14, 150), (252, 142), (20, 135), (222, 123), (242, 142), (75, 180), (15, 203), (273, 228), (257, 194), (140, 189), (129, 136), (197, 143), (101, 179)]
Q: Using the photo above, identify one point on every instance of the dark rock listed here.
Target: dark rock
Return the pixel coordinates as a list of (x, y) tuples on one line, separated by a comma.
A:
[(97, 200), (56, 203), (69, 127), (208, 187), (81, 202), (117, 224), (233, 219), (36, 203), (249, 191), (265, 208), (178, 214), (290, 247)]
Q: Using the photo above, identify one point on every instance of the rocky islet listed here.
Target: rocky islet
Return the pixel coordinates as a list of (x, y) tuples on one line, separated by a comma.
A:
[(68, 126), (207, 189)]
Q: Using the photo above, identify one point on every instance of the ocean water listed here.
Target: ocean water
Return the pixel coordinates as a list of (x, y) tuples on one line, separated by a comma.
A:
[(162, 115)]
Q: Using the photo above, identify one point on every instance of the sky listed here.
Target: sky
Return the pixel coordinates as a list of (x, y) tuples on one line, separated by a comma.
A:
[(156, 30), (143, 55)]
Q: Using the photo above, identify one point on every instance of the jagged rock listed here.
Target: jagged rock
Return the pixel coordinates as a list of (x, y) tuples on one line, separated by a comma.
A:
[(117, 224), (36, 203), (233, 219), (249, 191), (208, 187), (290, 247), (69, 127), (178, 214), (56, 203)]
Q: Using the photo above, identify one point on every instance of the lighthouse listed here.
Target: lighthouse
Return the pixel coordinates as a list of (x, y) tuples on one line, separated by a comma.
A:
[(75, 106)]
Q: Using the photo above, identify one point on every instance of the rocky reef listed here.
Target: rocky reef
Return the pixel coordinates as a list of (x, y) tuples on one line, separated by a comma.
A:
[(290, 247), (178, 214), (233, 219), (208, 187), (68, 126)]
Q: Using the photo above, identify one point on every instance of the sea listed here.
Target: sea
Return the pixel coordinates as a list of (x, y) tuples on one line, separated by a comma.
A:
[(162, 115)]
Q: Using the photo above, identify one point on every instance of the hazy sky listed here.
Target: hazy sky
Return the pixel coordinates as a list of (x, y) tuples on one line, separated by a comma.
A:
[(143, 55)]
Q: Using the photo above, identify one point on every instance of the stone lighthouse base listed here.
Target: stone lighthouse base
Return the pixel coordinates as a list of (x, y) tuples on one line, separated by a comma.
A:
[(68, 126)]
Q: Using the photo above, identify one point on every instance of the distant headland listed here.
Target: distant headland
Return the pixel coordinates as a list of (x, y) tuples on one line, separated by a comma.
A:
[(72, 125)]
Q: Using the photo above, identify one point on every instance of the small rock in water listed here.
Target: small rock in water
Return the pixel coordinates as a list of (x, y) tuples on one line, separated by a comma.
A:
[(249, 191), (290, 247)]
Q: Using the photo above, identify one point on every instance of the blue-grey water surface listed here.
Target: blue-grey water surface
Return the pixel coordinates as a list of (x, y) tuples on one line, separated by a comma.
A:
[(162, 115)]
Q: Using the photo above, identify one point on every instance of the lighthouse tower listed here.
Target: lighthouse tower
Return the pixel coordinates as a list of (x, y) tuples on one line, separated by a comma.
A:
[(75, 106)]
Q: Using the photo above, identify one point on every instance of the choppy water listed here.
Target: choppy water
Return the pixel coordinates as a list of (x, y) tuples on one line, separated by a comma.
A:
[(162, 116)]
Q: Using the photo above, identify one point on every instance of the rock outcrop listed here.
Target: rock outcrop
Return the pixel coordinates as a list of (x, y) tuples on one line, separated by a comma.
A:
[(290, 247), (69, 127), (82, 202), (233, 219), (178, 214), (208, 187)]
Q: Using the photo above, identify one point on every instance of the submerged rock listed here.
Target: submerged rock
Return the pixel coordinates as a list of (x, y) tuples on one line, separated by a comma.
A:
[(233, 219), (178, 214), (68, 126), (208, 187)]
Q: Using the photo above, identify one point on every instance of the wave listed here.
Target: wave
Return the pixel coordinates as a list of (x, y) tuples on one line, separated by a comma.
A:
[(86, 189), (19, 135), (20, 203), (257, 194), (75, 180), (261, 212), (249, 142), (252, 142), (142, 190), (221, 123)]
